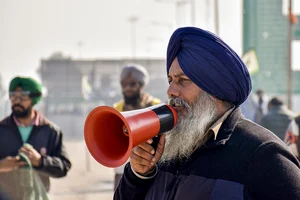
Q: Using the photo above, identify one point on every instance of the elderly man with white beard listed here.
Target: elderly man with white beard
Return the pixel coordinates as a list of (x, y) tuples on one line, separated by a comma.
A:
[(213, 152)]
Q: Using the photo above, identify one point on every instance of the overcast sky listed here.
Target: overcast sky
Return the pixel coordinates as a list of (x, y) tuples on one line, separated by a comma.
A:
[(33, 29)]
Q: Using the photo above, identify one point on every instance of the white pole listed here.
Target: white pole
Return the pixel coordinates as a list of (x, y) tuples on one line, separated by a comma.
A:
[(216, 17)]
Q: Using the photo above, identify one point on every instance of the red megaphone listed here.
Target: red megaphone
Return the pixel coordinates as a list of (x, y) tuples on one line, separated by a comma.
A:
[(111, 135)]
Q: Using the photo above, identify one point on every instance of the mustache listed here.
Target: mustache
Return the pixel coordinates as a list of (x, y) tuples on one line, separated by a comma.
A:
[(18, 105), (178, 102)]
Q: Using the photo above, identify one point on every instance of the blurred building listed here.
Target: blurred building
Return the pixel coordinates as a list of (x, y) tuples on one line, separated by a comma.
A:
[(75, 87), (266, 30)]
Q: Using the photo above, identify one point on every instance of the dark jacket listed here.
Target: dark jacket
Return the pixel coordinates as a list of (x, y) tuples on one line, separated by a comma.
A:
[(47, 139), (277, 120), (246, 161)]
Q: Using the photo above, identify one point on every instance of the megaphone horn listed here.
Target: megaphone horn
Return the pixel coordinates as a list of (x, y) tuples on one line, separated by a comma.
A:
[(110, 135)]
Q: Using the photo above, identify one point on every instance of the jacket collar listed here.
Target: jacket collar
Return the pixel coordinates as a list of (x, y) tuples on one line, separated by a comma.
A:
[(214, 129), (225, 130), (35, 122), (11, 122)]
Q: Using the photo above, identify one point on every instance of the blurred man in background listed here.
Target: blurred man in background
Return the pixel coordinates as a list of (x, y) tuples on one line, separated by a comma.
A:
[(292, 136), (133, 80), (261, 105), (29, 141), (278, 117)]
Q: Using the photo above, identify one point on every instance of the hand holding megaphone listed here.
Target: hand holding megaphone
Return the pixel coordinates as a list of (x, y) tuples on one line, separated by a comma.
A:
[(110, 135), (144, 157)]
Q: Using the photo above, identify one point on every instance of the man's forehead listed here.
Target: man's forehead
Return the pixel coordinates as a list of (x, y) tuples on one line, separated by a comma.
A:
[(129, 78), (175, 69), (18, 89), (176, 72)]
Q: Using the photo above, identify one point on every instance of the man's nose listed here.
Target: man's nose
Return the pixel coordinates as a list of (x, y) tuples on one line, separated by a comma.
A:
[(127, 89), (173, 90)]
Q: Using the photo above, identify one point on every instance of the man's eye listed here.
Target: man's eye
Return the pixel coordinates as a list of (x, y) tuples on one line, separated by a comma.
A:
[(182, 80), (169, 80)]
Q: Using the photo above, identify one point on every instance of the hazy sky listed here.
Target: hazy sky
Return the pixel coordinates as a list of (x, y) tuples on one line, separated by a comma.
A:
[(34, 29)]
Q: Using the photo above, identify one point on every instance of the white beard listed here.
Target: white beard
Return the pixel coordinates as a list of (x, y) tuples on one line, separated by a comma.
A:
[(190, 130)]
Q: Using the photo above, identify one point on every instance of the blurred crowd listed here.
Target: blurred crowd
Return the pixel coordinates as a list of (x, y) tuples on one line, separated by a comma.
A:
[(272, 113)]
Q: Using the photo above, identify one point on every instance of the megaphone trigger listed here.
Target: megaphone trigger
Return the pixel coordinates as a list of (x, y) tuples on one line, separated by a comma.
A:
[(155, 141)]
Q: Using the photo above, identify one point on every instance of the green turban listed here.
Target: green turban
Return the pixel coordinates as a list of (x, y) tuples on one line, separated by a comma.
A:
[(27, 84)]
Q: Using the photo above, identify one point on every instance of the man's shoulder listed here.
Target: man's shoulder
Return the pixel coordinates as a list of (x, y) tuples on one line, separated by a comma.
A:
[(242, 129), (254, 134), (119, 105), (150, 101), (155, 101), (6, 120), (249, 140), (45, 122)]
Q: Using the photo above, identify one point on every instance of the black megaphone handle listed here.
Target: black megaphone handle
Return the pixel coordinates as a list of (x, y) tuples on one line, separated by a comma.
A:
[(155, 141)]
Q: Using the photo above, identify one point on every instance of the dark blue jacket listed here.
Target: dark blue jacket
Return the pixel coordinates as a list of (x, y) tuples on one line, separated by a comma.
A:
[(46, 138), (246, 161)]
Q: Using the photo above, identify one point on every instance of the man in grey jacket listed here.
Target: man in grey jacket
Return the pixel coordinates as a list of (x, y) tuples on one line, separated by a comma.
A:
[(278, 117)]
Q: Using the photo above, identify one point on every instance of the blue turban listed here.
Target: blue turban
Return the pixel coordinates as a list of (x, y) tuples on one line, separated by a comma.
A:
[(210, 63)]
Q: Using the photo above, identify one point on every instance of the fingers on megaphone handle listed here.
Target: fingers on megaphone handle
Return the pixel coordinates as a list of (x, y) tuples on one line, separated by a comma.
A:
[(139, 160), (145, 151), (142, 160), (159, 150)]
